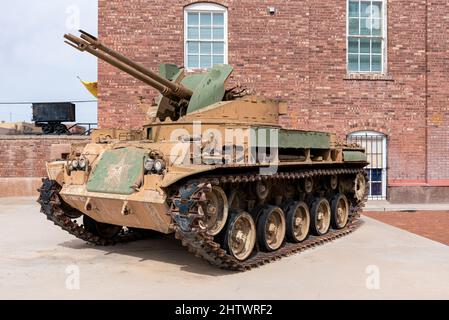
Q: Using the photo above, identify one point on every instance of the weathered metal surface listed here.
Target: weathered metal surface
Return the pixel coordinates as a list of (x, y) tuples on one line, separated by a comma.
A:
[(53, 112), (304, 139), (169, 71), (77, 178), (139, 214), (180, 172), (59, 213), (354, 156), (211, 89), (110, 134), (282, 138), (56, 170), (118, 171)]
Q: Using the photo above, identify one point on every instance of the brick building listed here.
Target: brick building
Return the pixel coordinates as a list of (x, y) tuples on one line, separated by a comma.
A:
[(23, 157), (374, 71)]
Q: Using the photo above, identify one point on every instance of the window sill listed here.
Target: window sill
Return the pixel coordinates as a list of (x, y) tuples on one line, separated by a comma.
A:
[(368, 77), (196, 70)]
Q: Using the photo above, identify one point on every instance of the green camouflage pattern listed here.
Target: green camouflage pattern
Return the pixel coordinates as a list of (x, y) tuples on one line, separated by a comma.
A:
[(117, 171)]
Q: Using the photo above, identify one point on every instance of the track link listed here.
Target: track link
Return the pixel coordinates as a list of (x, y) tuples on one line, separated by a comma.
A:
[(189, 219)]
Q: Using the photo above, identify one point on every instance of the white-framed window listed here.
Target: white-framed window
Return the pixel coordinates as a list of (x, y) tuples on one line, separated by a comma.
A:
[(375, 144), (205, 35), (366, 36)]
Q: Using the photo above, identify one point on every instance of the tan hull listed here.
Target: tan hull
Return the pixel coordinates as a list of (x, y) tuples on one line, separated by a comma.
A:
[(146, 210)]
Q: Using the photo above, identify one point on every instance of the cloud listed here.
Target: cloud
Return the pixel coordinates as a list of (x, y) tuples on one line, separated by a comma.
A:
[(35, 64)]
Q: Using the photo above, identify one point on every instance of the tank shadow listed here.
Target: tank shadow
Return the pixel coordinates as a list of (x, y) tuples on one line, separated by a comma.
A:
[(158, 248)]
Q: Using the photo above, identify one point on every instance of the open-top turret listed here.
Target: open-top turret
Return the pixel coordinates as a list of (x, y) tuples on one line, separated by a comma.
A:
[(215, 168)]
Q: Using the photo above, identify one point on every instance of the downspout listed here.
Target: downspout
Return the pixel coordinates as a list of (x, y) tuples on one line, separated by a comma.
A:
[(426, 93)]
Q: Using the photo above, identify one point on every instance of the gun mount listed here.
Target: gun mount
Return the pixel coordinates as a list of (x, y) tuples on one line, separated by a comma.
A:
[(180, 93)]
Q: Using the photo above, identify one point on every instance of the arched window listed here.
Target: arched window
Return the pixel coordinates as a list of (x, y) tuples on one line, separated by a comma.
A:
[(375, 144), (205, 35)]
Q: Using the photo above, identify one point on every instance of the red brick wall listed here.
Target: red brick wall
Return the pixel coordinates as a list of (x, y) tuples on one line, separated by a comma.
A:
[(438, 92), (25, 156), (299, 54)]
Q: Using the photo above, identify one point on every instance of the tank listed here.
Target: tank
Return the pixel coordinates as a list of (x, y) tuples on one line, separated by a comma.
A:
[(212, 167)]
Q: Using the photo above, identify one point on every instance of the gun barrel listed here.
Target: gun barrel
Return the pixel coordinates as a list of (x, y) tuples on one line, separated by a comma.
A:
[(179, 90), (93, 46)]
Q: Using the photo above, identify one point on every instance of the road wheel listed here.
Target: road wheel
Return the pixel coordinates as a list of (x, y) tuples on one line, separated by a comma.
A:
[(320, 216), (240, 235), (103, 230), (297, 221), (271, 228), (340, 211)]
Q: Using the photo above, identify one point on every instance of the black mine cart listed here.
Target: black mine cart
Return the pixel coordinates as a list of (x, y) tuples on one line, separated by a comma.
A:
[(50, 116)]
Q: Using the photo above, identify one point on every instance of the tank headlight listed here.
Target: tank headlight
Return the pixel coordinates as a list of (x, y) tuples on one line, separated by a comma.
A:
[(148, 164), (159, 165), (75, 164), (82, 163)]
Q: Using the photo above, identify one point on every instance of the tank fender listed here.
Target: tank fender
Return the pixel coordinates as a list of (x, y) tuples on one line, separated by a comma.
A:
[(55, 171)]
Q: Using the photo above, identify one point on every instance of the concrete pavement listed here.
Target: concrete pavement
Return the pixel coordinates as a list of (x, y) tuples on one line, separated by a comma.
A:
[(39, 261)]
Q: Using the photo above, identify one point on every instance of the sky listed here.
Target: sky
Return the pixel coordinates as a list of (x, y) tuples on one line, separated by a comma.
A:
[(35, 63)]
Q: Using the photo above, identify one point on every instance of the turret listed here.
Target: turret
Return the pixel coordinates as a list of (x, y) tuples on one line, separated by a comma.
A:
[(180, 93)]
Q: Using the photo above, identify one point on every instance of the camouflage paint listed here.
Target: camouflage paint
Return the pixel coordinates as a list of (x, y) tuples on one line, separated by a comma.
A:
[(117, 171)]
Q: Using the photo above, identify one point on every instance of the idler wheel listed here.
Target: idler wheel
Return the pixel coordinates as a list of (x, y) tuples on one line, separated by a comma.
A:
[(360, 186)]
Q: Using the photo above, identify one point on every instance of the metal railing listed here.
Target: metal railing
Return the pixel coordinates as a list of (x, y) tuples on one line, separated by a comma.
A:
[(375, 145), (88, 125)]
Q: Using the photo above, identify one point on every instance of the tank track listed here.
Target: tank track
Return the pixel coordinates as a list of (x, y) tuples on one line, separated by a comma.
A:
[(56, 211), (188, 217)]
